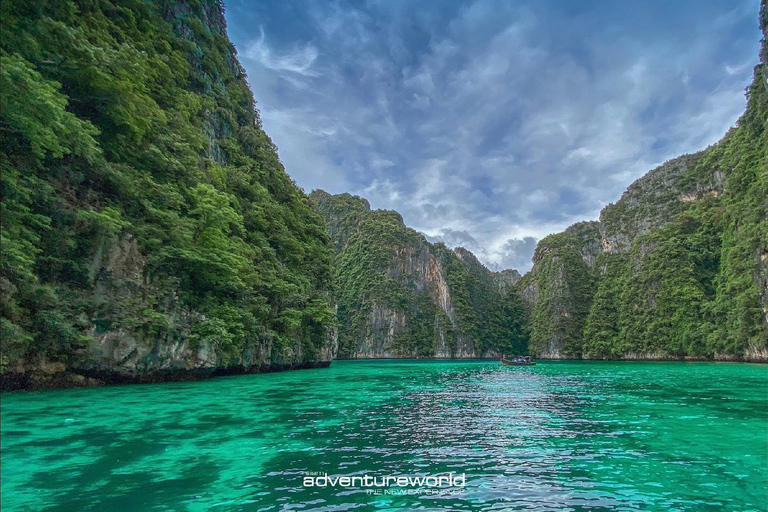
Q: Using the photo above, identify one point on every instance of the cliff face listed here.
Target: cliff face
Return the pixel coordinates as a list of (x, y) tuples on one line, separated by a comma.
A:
[(400, 296), (559, 289), (677, 268), (506, 279), (149, 229)]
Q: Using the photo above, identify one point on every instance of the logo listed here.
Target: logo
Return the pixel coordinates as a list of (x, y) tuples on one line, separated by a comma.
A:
[(449, 483)]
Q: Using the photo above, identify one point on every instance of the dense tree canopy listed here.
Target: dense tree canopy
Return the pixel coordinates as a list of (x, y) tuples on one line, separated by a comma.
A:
[(679, 266), (384, 268), (131, 124)]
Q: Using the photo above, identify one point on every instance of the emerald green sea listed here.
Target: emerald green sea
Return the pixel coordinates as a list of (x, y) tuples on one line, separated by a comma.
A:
[(570, 436)]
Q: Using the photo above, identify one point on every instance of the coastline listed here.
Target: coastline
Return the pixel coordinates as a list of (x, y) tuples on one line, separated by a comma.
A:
[(15, 383), (70, 379)]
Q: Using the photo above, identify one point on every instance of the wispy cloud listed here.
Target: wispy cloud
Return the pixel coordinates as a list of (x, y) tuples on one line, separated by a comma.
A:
[(298, 61), (490, 124)]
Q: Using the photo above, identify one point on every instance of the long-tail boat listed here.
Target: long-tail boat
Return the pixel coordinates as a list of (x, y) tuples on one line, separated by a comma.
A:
[(525, 361)]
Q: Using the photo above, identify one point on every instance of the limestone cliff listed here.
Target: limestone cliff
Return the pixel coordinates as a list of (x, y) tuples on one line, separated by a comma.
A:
[(150, 231), (677, 268), (559, 288), (401, 296)]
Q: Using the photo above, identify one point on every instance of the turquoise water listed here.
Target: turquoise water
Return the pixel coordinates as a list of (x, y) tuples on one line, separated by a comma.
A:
[(558, 436)]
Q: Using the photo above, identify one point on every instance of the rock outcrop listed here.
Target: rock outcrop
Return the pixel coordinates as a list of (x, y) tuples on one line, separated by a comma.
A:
[(150, 231), (677, 268), (401, 296)]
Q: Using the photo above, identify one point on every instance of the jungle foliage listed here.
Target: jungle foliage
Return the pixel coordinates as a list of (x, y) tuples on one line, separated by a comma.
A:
[(130, 124), (684, 269), (383, 265)]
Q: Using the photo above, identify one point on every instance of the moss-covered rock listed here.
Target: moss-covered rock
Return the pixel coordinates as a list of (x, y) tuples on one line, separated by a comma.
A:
[(677, 268), (149, 228), (401, 296)]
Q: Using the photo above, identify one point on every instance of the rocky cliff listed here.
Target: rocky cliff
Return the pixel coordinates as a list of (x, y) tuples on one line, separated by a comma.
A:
[(149, 231), (401, 296), (677, 268), (559, 288)]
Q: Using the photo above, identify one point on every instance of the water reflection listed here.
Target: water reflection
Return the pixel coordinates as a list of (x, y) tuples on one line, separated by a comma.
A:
[(558, 436)]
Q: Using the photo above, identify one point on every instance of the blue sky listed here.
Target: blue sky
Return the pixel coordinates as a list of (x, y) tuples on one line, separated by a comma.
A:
[(491, 124)]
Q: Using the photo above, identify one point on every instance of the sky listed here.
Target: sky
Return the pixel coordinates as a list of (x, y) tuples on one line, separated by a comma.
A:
[(491, 124)]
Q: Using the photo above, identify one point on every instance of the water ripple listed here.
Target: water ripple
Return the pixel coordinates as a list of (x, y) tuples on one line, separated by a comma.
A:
[(569, 436)]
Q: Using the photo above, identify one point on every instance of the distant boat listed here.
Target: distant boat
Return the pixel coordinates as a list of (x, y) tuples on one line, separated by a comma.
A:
[(525, 362)]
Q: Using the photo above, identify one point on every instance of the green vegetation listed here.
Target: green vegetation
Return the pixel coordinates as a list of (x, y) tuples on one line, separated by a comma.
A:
[(142, 201), (680, 262), (141, 195), (654, 299), (564, 284), (494, 320), (363, 282), (390, 279), (692, 287)]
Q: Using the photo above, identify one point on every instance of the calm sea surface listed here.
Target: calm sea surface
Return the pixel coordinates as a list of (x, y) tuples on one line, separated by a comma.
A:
[(569, 436)]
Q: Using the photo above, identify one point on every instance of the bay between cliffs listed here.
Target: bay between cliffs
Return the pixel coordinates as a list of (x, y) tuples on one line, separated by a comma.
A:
[(558, 436)]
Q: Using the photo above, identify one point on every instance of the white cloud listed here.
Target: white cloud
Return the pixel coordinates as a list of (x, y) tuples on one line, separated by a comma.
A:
[(298, 61), (495, 121)]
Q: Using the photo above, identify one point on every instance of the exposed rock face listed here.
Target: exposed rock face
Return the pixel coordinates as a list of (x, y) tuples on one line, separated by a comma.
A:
[(122, 355), (505, 279), (761, 279), (343, 213), (761, 252), (559, 288), (400, 296), (242, 280), (676, 269), (657, 198)]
